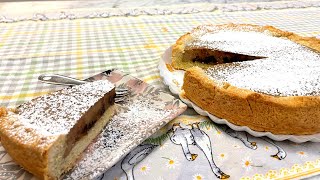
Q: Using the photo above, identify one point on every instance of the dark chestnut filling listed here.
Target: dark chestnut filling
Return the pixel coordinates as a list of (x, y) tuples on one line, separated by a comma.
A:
[(87, 121), (213, 57)]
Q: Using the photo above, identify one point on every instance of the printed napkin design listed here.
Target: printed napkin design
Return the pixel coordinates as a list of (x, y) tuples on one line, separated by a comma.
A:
[(193, 147)]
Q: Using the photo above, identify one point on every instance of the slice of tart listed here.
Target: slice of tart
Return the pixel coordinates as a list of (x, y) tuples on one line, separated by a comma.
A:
[(47, 134), (268, 79)]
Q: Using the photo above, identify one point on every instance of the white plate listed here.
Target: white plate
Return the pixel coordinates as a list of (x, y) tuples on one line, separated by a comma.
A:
[(174, 79)]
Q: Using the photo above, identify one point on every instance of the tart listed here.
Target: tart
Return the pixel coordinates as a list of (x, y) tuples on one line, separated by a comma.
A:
[(255, 76), (47, 134)]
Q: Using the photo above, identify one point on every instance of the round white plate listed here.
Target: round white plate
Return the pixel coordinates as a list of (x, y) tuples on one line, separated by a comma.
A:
[(174, 79)]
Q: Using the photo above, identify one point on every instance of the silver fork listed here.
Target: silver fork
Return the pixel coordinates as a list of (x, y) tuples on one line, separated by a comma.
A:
[(57, 79)]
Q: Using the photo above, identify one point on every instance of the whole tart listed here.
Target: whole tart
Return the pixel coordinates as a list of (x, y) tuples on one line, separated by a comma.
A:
[(255, 76), (47, 134)]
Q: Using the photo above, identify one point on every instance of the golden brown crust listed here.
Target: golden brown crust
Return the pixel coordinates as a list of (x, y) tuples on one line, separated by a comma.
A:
[(32, 156), (179, 47), (261, 112), (41, 153), (47, 134), (280, 115), (3, 112)]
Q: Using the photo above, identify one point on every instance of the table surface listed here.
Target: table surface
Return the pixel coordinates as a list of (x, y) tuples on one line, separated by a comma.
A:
[(81, 46)]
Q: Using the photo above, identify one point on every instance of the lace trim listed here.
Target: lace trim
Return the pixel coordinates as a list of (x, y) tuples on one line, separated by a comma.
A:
[(164, 10)]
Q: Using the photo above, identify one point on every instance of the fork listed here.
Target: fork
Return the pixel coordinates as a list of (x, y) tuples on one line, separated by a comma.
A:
[(57, 79)]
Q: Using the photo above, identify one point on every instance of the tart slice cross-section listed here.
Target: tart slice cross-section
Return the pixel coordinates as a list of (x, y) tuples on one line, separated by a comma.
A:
[(47, 134)]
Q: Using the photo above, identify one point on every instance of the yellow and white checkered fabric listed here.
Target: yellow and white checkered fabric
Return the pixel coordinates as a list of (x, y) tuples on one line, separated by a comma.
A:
[(84, 47)]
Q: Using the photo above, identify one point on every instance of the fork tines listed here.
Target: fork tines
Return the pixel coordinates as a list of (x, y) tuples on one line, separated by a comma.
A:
[(121, 91), (121, 94)]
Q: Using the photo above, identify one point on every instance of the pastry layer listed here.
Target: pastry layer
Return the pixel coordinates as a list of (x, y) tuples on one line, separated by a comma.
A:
[(280, 115), (47, 135), (255, 76)]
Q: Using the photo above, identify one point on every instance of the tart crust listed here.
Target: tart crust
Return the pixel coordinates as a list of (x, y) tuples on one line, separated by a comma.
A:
[(298, 115), (292, 114), (48, 155)]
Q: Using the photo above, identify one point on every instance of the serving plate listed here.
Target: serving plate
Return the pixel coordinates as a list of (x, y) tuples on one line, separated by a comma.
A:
[(144, 111), (174, 80)]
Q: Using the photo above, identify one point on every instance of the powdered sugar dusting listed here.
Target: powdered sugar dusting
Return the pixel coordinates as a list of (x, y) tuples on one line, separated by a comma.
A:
[(145, 110), (26, 133), (57, 112), (288, 75), (247, 43), (137, 120), (288, 69)]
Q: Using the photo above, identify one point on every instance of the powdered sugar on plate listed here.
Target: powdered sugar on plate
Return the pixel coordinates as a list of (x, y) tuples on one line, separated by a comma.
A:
[(145, 111), (136, 120)]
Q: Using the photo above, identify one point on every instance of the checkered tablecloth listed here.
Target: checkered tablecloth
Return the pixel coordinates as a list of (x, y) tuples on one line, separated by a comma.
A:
[(81, 48), (84, 47)]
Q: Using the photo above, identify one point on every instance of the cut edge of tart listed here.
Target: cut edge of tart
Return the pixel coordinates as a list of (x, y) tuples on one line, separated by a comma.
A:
[(47, 135), (186, 54), (255, 76)]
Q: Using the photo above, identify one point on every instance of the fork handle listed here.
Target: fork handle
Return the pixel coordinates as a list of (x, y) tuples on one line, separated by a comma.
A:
[(59, 79)]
